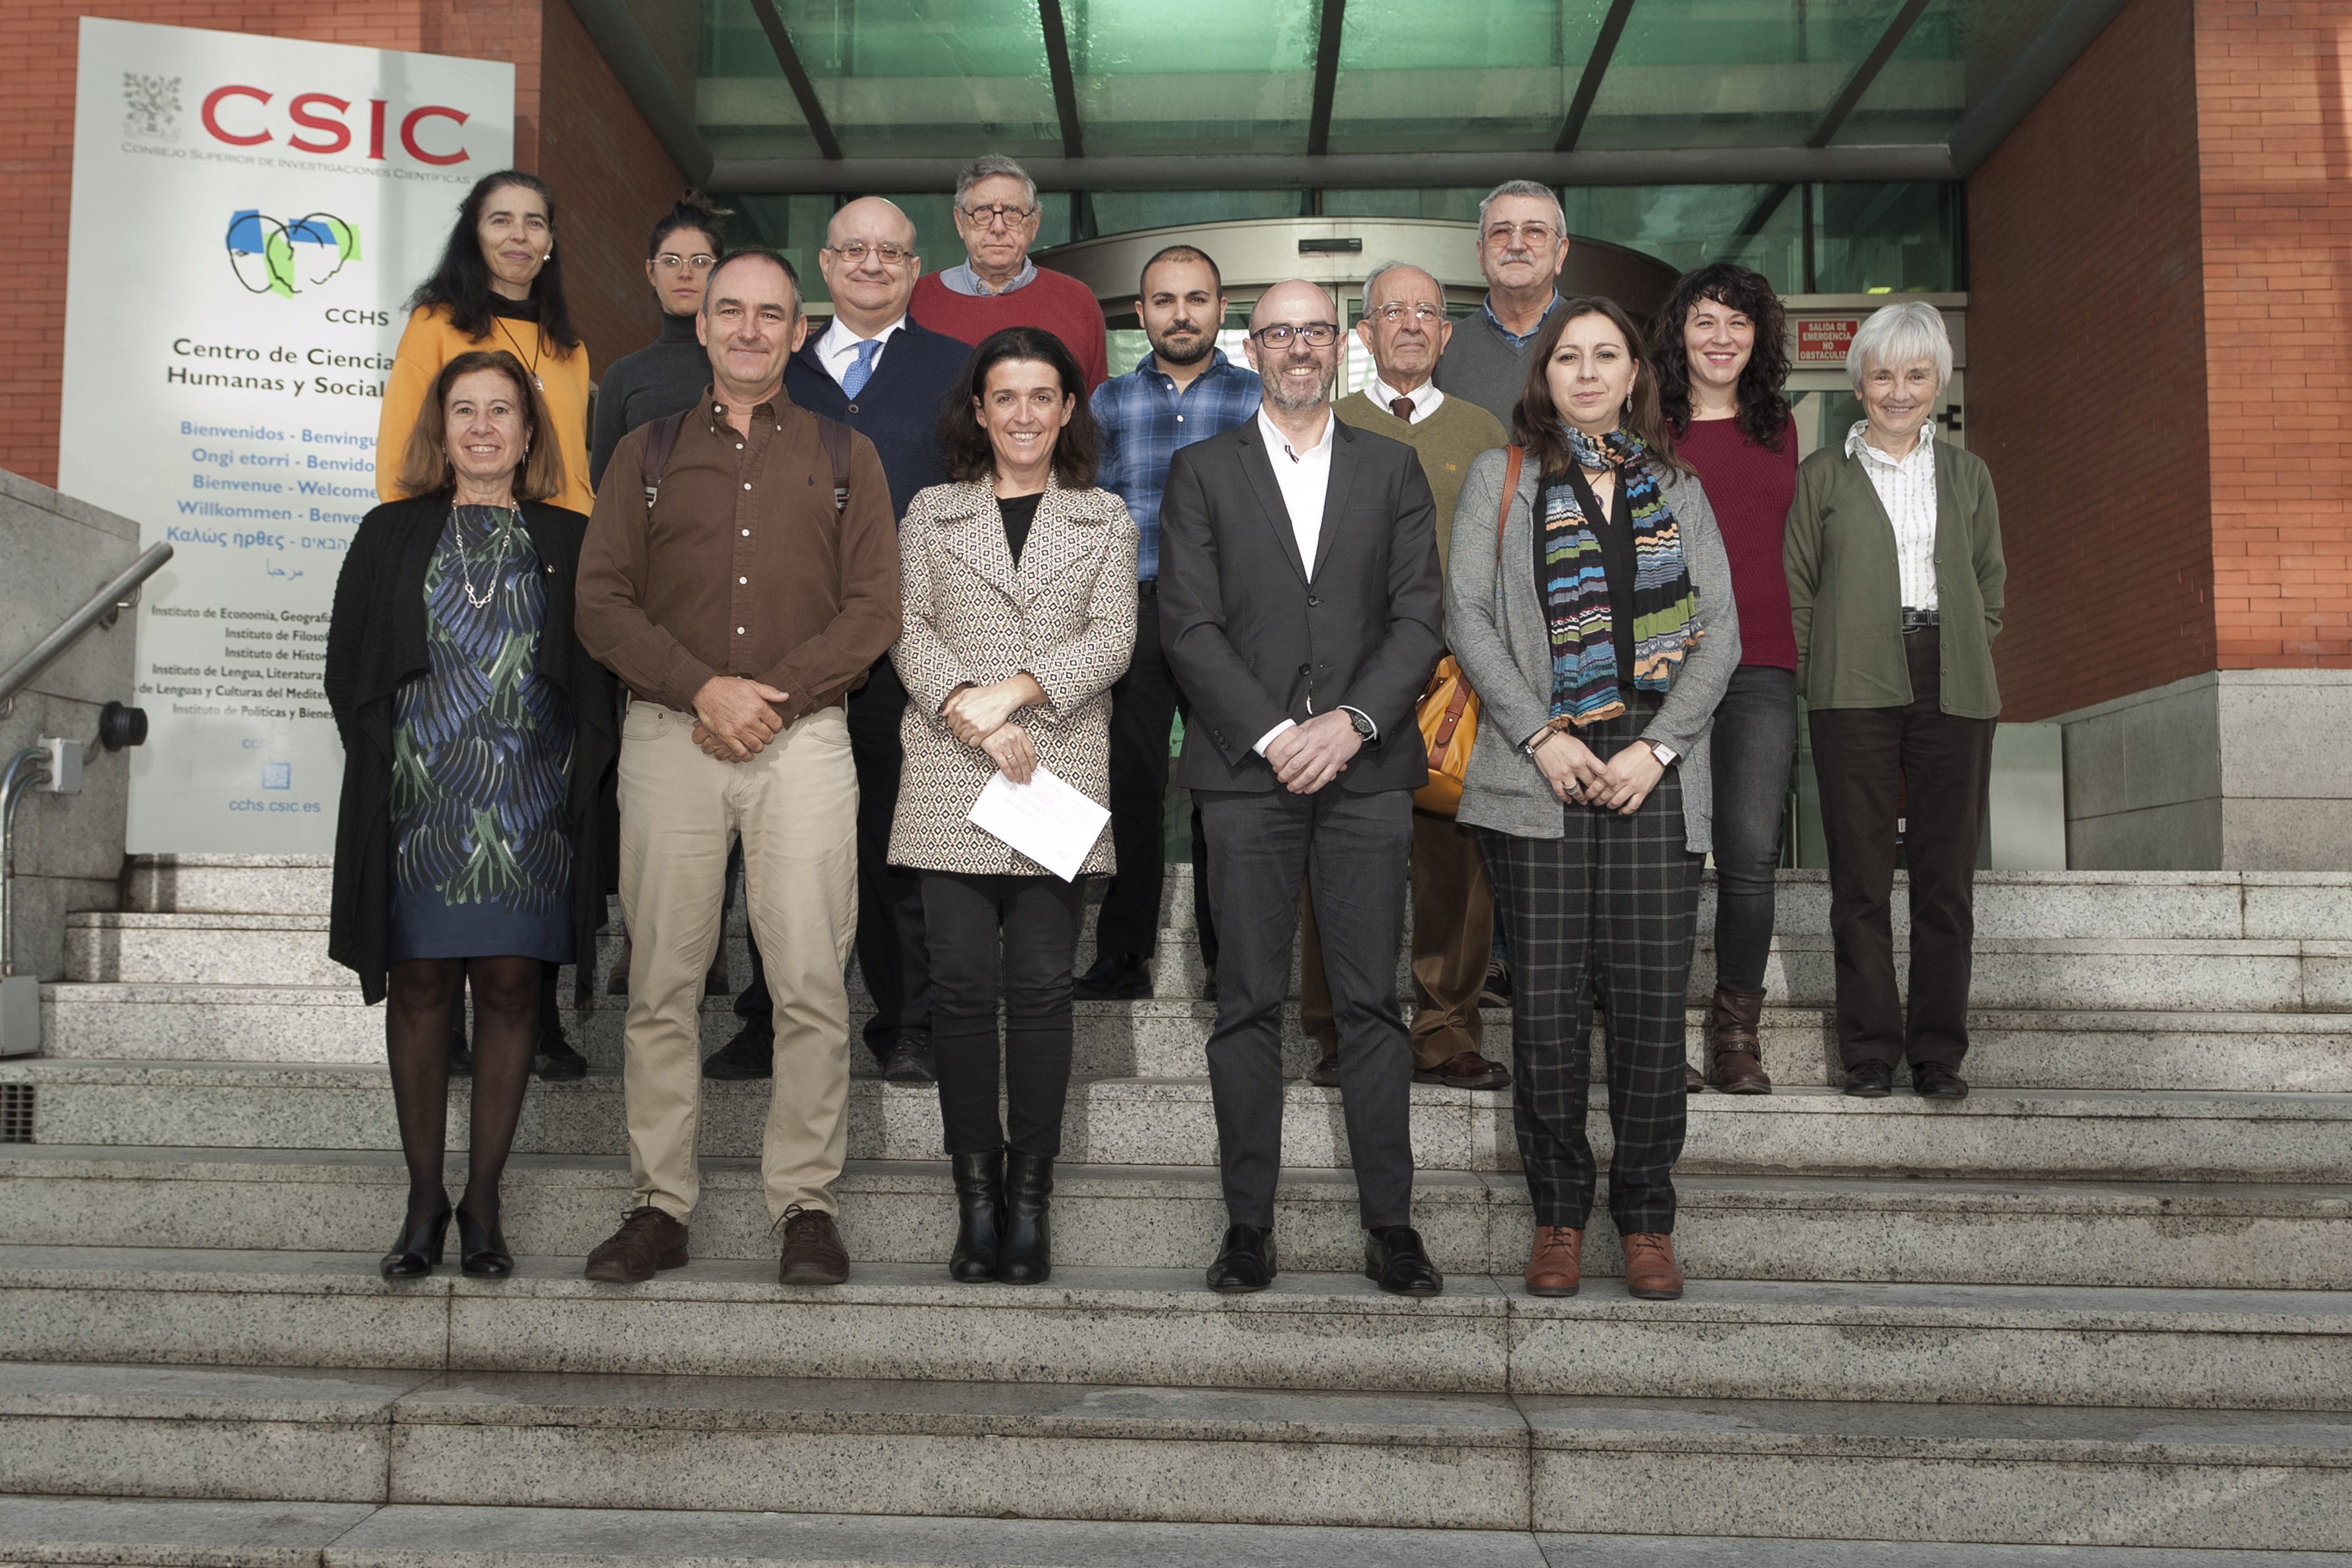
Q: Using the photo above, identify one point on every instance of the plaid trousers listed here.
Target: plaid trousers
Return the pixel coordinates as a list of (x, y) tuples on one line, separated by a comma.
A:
[(1605, 913)]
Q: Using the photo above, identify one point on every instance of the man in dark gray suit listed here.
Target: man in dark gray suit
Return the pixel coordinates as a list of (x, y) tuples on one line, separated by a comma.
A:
[(1299, 608)]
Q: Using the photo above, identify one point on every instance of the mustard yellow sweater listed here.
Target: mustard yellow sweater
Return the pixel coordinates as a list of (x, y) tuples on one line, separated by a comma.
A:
[(431, 342)]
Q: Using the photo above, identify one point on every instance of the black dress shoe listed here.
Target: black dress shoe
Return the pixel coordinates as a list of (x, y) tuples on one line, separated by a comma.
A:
[(1396, 1261), (1115, 977), (556, 1061), (1870, 1081), (1245, 1259), (979, 1217), (750, 1054), (416, 1252), (1325, 1073), (1025, 1255), (909, 1060), (1933, 1080), (482, 1253)]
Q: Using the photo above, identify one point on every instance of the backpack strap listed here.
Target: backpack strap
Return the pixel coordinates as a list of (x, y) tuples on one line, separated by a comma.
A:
[(836, 436), (1517, 454), (661, 440)]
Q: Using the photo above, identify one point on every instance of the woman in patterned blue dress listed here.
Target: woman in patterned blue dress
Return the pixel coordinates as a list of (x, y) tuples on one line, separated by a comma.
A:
[(471, 721)]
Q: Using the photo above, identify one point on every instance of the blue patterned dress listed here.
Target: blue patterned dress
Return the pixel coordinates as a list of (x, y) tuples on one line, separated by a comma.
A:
[(481, 752)]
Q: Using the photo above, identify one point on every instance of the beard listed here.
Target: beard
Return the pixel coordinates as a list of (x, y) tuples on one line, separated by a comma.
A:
[(1285, 393), (1202, 346)]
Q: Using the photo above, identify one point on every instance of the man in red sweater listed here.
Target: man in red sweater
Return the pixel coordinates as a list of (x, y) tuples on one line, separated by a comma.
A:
[(997, 286)]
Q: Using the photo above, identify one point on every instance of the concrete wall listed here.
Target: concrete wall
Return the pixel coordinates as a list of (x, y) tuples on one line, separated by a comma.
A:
[(58, 552)]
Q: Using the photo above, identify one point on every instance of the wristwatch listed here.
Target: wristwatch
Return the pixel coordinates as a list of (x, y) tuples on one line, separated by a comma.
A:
[(1363, 725), (1664, 754)]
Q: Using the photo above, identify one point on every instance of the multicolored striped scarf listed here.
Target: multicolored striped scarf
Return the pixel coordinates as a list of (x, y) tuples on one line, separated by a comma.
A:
[(1575, 586)]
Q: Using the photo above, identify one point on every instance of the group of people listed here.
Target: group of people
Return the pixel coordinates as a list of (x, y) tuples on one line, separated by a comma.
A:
[(828, 592)]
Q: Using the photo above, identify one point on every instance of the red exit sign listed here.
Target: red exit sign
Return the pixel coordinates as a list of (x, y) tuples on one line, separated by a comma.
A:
[(1825, 339)]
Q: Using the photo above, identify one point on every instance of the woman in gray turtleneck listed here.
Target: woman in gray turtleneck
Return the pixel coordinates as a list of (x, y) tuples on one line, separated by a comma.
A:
[(669, 373)]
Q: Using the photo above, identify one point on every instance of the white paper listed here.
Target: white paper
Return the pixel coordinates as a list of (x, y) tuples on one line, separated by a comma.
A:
[(1045, 818)]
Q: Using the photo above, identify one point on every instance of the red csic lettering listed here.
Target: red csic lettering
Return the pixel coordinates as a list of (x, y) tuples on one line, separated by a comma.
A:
[(375, 127), (299, 112), (211, 115), (408, 134)]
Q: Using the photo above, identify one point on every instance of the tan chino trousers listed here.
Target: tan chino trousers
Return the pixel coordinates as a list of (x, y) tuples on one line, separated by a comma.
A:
[(794, 807), (1452, 942)]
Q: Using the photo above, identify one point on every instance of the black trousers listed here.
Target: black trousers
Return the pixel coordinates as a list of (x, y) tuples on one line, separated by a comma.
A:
[(1605, 913), (1144, 702), (1944, 765), (1354, 847), (1012, 937), (891, 949)]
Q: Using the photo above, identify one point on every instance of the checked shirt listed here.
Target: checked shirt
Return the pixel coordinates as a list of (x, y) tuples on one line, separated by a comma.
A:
[(1144, 419)]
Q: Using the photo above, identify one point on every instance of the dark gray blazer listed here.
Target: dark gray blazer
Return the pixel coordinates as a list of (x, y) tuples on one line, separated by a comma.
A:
[(1253, 641)]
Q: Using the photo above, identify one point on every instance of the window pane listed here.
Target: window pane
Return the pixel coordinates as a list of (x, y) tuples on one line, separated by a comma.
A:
[(1208, 76), (1944, 66), (1476, 76), (1724, 73), (742, 102)]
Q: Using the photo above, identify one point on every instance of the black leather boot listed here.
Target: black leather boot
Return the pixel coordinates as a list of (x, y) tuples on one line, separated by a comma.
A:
[(979, 1217), (1026, 1256)]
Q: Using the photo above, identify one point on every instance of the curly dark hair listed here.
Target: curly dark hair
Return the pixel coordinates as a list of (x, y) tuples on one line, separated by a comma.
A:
[(461, 281), (1536, 421), (964, 445), (692, 211), (1763, 415)]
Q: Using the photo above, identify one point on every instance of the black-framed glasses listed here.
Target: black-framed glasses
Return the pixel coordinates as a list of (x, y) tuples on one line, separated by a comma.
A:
[(670, 261), (985, 217), (1317, 334), (886, 252)]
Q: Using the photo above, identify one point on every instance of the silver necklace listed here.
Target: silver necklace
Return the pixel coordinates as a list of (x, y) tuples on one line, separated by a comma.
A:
[(465, 571)]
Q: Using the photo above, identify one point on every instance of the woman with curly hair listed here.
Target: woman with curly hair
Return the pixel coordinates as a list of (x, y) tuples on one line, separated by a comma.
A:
[(1718, 345)]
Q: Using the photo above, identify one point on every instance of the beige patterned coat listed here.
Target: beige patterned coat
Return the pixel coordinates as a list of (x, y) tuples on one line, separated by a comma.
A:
[(1066, 615)]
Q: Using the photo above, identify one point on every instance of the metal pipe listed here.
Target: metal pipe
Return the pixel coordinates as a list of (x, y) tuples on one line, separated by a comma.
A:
[(112, 597), (13, 783)]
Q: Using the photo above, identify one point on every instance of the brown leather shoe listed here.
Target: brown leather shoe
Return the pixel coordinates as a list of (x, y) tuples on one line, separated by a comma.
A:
[(814, 1254), (1694, 1080), (1651, 1273), (1555, 1265), (1325, 1073), (649, 1239), (1464, 1070), (1739, 1059)]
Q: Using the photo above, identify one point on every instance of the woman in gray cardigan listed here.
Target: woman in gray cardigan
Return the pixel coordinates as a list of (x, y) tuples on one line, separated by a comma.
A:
[(1599, 630)]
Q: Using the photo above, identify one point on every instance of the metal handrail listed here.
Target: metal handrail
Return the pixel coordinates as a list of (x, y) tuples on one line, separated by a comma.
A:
[(114, 599)]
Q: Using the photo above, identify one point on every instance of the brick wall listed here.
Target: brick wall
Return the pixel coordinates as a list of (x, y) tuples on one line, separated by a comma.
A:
[(600, 156), (2087, 321), (2276, 141)]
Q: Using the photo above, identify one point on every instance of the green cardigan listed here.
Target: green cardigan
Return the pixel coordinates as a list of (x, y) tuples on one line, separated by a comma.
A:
[(1846, 593)]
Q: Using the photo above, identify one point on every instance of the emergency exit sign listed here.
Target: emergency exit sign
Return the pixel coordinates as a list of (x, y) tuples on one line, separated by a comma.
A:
[(1825, 339)]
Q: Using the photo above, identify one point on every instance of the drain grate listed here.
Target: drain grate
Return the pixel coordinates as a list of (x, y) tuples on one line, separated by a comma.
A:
[(15, 1113)]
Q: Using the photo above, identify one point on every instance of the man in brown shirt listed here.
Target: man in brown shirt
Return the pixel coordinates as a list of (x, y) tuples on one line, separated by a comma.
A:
[(739, 607)]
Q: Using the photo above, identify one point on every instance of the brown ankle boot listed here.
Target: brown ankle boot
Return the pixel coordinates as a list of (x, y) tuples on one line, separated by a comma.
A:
[(1554, 1265), (1738, 1062), (1651, 1273)]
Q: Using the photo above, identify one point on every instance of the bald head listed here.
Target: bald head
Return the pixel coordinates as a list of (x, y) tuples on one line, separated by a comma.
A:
[(869, 217), (870, 290), (1296, 301), (1298, 374)]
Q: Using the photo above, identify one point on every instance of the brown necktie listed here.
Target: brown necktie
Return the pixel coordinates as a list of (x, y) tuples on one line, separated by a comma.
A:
[(1402, 408)]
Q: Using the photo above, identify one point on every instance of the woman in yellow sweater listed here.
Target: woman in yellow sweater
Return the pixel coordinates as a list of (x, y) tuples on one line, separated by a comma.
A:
[(497, 285)]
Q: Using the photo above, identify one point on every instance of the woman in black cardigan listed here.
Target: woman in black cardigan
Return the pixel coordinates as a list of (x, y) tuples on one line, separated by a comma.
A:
[(478, 826)]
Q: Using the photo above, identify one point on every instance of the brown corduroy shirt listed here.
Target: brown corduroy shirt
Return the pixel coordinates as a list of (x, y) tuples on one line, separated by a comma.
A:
[(741, 567)]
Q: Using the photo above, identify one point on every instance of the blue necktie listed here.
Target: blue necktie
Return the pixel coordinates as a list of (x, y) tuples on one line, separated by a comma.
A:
[(854, 378)]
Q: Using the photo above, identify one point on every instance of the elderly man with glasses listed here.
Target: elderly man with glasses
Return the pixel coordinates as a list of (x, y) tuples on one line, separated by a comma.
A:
[(1522, 244), (1299, 608), (997, 286)]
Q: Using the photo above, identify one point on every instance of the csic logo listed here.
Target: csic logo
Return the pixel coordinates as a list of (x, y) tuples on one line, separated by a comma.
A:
[(242, 116), (151, 107), (271, 256)]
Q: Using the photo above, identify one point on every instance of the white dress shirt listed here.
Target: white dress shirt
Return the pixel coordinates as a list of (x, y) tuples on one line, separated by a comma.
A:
[(1306, 480), (837, 350), (1425, 397), (1907, 488)]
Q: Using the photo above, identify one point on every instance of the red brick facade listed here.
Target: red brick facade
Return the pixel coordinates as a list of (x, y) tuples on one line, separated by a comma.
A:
[(615, 177), (2159, 353)]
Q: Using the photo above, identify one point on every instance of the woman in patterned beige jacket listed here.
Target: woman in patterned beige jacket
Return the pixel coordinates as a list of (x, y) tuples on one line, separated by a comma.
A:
[(1019, 587)]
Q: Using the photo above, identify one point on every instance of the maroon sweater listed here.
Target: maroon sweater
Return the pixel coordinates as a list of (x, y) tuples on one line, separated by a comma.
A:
[(1053, 300), (1750, 489)]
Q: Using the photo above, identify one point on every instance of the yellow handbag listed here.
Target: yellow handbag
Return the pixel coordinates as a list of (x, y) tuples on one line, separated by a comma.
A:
[(1448, 710)]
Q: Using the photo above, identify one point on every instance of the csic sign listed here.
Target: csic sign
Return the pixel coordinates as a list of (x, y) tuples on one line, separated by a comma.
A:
[(240, 115)]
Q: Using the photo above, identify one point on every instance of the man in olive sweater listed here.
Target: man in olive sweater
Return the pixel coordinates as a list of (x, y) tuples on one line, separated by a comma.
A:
[(1405, 330)]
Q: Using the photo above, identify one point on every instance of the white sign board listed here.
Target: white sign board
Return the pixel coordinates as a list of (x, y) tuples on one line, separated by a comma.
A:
[(249, 214)]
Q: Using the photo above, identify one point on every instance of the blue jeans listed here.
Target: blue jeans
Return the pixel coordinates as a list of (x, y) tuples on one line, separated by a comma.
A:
[(1754, 747)]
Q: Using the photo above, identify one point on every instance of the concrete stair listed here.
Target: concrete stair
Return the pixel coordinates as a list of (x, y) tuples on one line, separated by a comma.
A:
[(2103, 1304)]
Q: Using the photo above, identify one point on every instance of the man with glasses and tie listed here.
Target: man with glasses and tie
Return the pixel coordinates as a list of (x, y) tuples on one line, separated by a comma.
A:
[(1299, 608), (1522, 244), (997, 286)]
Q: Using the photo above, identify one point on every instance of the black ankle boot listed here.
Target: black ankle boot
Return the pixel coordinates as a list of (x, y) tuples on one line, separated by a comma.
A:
[(979, 1217), (419, 1247), (481, 1251), (1026, 1257)]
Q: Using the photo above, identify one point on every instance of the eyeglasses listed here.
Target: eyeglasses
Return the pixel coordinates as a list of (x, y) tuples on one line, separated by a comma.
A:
[(670, 261), (857, 250), (1534, 235), (1319, 334), (1427, 315), (985, 217)]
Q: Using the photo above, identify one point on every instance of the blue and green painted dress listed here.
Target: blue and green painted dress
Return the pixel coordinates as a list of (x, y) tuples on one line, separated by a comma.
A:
[(481, 752)]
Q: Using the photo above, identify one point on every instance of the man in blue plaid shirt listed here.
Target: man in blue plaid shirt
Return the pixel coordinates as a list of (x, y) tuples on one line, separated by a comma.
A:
[(1185, 391)]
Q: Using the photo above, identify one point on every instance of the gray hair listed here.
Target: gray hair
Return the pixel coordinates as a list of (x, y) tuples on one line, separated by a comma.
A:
[(1522, 188), (989, 166), (1386, 267), (1895, 335)]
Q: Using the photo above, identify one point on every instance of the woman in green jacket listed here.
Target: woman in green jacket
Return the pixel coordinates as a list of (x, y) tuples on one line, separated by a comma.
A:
[(1894, 582)]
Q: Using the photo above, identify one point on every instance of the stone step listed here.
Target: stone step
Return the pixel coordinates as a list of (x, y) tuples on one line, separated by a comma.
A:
[(2158, 1235), (2096, 1135), (228, 1534), (1119, 1454), (1725, 1339)]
